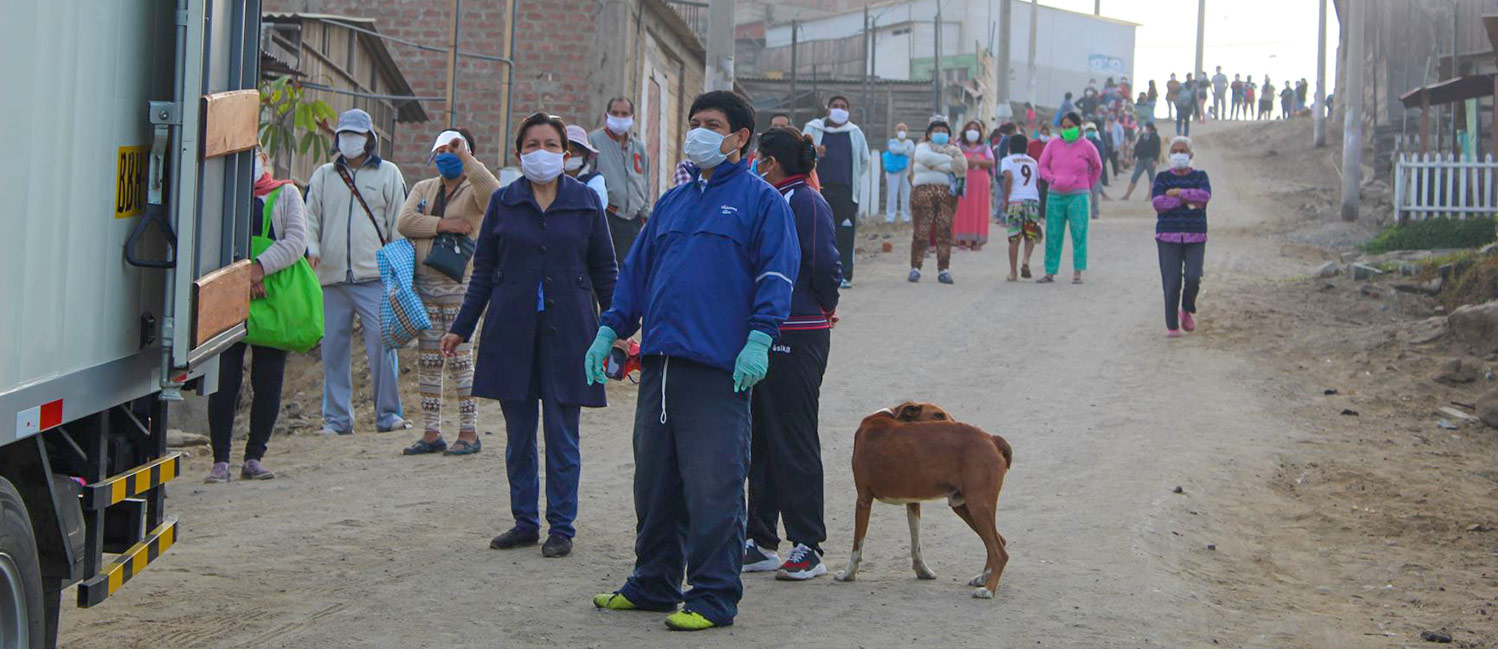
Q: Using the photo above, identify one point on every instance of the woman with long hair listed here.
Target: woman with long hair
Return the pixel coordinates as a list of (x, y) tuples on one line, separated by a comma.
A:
[(970, 226)]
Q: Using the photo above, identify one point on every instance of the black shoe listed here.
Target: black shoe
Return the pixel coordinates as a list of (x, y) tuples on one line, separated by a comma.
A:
[(513, 539), (556, 546)]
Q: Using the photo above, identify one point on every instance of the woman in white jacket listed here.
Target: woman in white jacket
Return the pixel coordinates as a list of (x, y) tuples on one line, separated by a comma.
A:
[(932, 206)]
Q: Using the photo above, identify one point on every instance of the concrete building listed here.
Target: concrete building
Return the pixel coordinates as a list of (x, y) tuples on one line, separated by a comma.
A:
[(569, 57), (1072, 47)]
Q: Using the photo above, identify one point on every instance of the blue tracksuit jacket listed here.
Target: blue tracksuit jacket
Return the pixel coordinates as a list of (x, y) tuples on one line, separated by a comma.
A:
[(716, 260)]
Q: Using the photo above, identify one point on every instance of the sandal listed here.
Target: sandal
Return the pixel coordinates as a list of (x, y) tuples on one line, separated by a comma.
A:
[(465, 447), (1024, 271), (423, 447), (1048, 279), (1076, 280)]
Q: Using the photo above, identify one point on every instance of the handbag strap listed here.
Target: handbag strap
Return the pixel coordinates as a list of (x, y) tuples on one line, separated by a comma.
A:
[(269, 200), (343, 173)]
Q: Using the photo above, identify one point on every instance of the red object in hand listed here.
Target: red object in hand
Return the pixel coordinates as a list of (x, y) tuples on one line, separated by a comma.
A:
[(620, 364)]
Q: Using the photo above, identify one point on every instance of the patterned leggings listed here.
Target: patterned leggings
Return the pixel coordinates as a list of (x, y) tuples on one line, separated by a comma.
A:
[(932, 207), (443, 297)]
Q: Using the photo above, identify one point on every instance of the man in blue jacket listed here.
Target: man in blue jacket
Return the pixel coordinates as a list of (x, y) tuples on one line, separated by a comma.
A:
[(711, 276)]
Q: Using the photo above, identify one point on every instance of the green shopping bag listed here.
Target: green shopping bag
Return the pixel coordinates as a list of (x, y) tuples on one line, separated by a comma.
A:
[(290, 315)]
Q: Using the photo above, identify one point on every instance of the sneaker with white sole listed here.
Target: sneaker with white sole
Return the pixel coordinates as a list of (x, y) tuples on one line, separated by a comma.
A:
[(802, 564), (219, 473), (758, 560)]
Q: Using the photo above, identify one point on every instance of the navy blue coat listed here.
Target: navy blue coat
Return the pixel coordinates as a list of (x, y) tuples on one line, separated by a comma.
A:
[(564, 253)]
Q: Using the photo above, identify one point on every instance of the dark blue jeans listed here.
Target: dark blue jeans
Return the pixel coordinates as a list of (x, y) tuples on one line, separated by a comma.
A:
[(691, 459), (563, 464)]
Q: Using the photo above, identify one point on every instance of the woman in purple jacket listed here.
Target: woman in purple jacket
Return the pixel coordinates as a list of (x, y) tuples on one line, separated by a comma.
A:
[(1180, 196), (543, 267)]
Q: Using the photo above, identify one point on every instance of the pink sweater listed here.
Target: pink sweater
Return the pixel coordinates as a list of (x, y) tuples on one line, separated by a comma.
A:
[(1070, 168)]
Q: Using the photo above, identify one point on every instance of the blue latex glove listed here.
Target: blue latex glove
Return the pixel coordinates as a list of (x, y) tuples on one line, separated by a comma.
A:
[(753, 361), (598, 352)]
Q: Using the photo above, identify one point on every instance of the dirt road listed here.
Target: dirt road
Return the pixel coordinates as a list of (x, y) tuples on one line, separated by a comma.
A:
[(355, 546)]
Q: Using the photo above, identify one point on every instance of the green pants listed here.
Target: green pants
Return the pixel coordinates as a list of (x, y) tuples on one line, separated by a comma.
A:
[(1064, 210)]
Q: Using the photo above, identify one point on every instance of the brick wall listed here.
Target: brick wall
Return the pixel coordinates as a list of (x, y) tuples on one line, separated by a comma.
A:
[(429, 22), (570, 57)]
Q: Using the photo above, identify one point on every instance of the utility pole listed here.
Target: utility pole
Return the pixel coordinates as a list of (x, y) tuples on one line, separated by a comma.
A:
[(1006, 109), (720, 45), (1351, 99), (936, 68), (1201, 34), (1097, 7), (1034, 22), (452, 68), (795, 99), (865, 107), (1319, 121)]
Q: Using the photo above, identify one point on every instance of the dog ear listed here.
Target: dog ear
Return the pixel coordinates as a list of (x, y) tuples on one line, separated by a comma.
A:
[(908, 412)]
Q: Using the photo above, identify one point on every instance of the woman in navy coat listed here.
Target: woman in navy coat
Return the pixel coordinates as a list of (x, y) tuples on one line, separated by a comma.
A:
[(543, 268)]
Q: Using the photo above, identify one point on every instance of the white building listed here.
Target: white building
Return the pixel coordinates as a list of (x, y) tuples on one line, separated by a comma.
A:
[(1072, 47)]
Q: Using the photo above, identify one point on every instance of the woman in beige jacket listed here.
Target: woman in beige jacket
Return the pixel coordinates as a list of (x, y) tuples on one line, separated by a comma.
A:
[(453, 202)]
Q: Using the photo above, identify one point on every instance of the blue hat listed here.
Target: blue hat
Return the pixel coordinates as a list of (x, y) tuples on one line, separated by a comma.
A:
[(356, 121)]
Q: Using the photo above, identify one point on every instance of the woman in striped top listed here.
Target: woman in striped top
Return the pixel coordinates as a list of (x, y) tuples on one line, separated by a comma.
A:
[(1180, 195)]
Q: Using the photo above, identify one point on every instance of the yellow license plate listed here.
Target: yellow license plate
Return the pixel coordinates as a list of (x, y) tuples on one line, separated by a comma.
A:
[(130, 181)]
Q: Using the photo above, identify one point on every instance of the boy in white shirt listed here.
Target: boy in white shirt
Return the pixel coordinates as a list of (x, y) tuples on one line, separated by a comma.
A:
[(1020, 203)]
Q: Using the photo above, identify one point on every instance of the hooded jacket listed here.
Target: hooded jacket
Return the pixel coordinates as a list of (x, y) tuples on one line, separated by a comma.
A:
[(339, 234), (717, 259), (815, 297)]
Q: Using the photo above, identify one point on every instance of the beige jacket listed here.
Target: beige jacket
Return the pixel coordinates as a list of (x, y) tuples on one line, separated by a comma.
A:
[(467, 203)]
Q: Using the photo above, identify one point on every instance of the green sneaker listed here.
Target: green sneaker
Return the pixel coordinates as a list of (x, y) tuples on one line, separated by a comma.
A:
[(688, 621), (613, 602)]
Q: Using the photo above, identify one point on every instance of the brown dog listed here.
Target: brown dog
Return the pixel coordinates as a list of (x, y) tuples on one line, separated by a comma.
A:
[(917, 452)]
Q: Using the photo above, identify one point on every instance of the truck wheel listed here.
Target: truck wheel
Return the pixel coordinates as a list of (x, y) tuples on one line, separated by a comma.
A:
[(22, 623)]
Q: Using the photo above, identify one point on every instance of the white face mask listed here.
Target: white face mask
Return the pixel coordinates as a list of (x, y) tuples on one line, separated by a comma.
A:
[(619, 125), (1180, 160), (704, 148), (259, 169), (351, 145), (541, 166), (900, 134), (838, 115), (572, 164), (972, 136)]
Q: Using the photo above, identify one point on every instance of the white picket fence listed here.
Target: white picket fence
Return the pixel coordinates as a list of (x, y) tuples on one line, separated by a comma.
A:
[(1444, 186)]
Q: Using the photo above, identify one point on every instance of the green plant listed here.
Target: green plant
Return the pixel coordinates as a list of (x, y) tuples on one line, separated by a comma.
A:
[(291, 125), (1432, 234)]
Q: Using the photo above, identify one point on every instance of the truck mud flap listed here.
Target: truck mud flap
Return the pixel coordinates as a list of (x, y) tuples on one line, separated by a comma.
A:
[(126, 566)]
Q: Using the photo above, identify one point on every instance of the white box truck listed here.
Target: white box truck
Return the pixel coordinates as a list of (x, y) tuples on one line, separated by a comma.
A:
[(124, 223)]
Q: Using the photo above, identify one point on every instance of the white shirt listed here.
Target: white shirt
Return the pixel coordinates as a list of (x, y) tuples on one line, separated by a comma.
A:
[(1025, 173)]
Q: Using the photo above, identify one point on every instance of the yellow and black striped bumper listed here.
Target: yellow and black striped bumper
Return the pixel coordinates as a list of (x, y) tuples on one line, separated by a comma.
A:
[(132, 483), (126, 566)]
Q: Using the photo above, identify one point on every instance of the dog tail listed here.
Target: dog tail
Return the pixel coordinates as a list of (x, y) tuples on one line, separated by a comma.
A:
[(1004, 450)]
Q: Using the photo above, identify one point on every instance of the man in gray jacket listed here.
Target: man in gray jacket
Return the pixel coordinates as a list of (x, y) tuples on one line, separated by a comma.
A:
[(844, 157), (626, 171), (352, 206)]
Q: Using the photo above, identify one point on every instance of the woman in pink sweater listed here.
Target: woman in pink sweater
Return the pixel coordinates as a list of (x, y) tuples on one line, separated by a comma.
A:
[(1070, 165)]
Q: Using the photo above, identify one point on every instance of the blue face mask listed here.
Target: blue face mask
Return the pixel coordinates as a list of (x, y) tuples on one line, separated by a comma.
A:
[(449, 165), (939, 139)]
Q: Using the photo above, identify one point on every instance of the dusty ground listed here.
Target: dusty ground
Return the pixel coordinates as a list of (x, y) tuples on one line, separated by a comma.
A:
[(1329, 531)]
